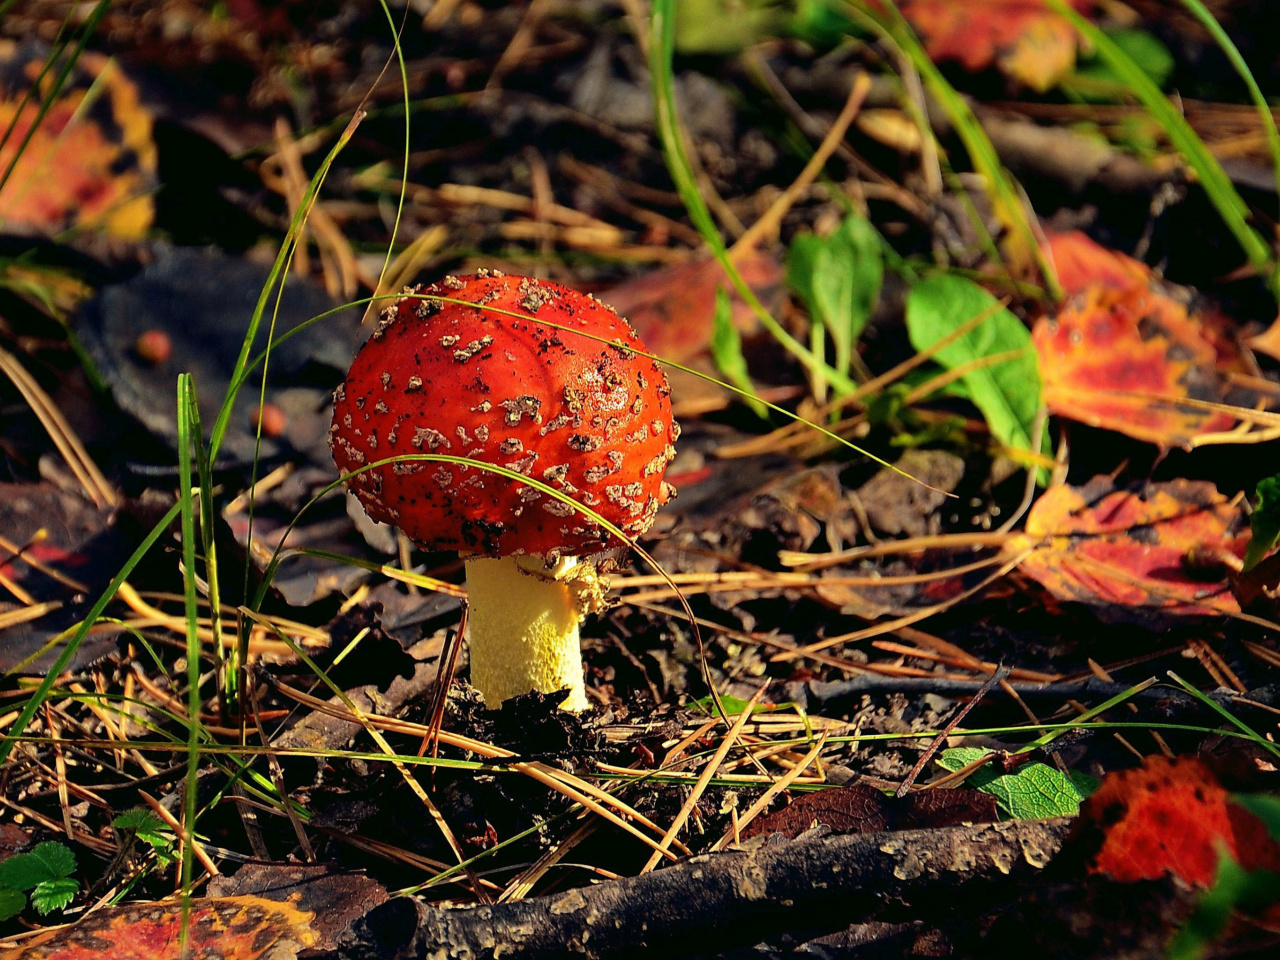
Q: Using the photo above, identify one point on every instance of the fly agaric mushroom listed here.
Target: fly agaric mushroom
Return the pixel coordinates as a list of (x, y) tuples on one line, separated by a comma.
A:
[(484, 377)]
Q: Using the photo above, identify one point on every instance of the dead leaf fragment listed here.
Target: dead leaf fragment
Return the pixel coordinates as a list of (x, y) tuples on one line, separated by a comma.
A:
[(221, 928), (1024, 38), (860, 808), (1155, 547)]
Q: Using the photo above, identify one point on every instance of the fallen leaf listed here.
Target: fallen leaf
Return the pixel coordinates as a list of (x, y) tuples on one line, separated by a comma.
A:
[(222, 928), (336, 898), (1123, 349), (860, 808), (1008, 393), (673, 309), (1169, 817), (91, 161), (1033, 791), (1026, 40), (1082, 264), (60, 531), (202, 300), (1158, 547)]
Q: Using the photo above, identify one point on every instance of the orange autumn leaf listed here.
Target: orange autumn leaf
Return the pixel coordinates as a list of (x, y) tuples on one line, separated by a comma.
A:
[(1125, 349), (1024, 38), (1157, 547), (91, 161), (1082, 264), (1170, 817), (222, 928)]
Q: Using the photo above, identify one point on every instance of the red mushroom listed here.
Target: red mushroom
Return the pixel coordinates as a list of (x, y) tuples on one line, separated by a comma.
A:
[(487, 379)]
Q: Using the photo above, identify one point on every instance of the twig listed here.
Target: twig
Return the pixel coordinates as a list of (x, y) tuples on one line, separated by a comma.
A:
[(954, 722), (713, 903), (767, 226)]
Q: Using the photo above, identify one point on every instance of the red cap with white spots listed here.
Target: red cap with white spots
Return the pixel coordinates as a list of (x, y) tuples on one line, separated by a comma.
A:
[(471, 367)]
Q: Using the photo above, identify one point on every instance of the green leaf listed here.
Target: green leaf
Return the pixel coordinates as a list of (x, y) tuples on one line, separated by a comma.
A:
[(1234, 889), (839, 277), (50, 895), (48, 861), (57, 859), (12, 902), (1148, 53), (1034, 791), (21, 872), (1265, 807), (957, 758), (1264, 524), (726, 350), (145, 825), (733, 706), (1008, 392)]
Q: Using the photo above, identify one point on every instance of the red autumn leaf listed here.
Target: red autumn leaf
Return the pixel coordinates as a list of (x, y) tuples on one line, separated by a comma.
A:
[(1082, 264), (1170, 817), (1024, 38), (1158, 547), (223, 928), (91, 161), (1124, 349), (673, 309)]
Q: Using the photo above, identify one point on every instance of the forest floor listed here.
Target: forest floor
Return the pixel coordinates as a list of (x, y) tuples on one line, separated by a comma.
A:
[(961, 638)]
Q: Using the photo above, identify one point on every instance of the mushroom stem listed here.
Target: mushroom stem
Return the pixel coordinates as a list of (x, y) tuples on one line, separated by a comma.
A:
[(523, 623)]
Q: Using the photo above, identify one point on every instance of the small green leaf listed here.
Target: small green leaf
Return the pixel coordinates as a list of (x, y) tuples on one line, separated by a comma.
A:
[(21, 872), (1265, 807), (733, 706), (145, 825), (726, 350), (839, 278), (1034, 791), (1234, 889), (57, 858), (957, 758), (1008, 392), (48, 861), (12, 903), (1264, 525), (50, 895)]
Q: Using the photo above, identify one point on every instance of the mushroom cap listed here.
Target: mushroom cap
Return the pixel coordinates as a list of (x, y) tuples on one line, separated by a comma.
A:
[(589, 418)]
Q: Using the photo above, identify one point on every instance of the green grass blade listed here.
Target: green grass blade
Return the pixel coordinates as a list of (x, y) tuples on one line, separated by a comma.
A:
[(276, 277), (886, 20), (186, 505), (1220, 37), (1089, 714), (1226, 714), (661, 54), (1222, 192)]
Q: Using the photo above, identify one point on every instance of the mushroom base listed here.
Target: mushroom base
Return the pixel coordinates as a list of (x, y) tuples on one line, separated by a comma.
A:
[(523, 631)]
